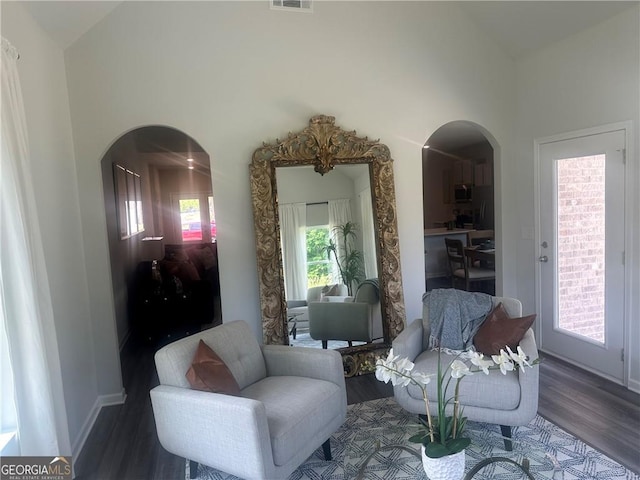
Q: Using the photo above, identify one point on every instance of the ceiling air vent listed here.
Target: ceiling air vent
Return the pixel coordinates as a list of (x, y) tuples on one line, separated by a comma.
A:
[(299, 5)]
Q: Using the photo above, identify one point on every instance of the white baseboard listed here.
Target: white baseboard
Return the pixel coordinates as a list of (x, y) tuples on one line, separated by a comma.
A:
[(101, 401), (113, 399), (634, 386)]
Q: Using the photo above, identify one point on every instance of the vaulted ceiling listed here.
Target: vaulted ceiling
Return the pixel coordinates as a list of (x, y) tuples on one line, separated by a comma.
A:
[(519, 27)]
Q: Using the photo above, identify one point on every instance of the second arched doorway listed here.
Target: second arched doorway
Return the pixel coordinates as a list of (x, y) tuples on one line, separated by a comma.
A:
[(458, 198)]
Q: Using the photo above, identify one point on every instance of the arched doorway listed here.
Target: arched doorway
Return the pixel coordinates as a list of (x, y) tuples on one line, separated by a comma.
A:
[(458, 194), (161, 234)]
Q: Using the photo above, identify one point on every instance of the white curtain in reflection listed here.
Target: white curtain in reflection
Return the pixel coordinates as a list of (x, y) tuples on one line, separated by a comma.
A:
[(339, 214), (368, 235), (26, 311), (293, 225)]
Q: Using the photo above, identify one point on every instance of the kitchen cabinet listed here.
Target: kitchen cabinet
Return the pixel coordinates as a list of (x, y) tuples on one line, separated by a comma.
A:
[(463, 172), (483, 174), (447, 187)]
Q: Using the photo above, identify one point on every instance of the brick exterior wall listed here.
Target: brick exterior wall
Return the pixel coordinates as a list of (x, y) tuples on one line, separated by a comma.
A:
[(581, 245)]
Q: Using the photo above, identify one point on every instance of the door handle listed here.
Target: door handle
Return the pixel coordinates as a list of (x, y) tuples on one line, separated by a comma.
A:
[(543, 259)]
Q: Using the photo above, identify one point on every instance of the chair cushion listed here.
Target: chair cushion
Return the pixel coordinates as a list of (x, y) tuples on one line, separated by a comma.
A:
[(297, 408), (495, 391), (234, 342), (459, 273), (475, 273), (499, 330), (210, 374)]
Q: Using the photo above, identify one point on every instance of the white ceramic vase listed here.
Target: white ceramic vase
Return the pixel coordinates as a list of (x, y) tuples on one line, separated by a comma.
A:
[(450, 467)]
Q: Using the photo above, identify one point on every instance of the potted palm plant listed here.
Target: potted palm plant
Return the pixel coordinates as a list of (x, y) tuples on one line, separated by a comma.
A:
[(348, 259)]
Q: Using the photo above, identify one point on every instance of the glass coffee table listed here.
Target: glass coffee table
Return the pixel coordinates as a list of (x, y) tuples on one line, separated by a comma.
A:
[(385, 452)]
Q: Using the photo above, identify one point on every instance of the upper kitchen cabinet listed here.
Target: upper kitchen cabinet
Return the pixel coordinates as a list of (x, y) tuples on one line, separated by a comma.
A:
[(463, 172), (482, 174)]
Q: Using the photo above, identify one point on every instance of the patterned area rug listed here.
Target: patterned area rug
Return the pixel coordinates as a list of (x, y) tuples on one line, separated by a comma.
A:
[(552, 452), (303, 339)]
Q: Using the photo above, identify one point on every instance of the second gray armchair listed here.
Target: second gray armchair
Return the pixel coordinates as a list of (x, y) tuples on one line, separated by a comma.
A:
[(506, 400)]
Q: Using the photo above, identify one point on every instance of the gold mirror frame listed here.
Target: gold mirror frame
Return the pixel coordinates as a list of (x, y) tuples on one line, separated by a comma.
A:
[(323, 145)]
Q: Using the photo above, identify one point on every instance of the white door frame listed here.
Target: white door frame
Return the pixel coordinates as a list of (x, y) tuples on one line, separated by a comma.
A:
[(628, 234)]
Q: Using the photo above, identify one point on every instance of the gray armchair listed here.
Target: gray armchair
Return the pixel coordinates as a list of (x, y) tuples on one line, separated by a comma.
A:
[(291, 401), (298, 310), (506, 400), (356, 318)]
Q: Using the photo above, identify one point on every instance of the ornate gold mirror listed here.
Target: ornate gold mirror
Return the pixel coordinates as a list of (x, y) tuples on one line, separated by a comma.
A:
[(324, 146)]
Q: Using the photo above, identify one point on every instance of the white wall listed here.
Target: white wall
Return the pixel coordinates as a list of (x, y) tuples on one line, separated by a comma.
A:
[(235, 74), (43, 80), (587, 80), (302, 184)]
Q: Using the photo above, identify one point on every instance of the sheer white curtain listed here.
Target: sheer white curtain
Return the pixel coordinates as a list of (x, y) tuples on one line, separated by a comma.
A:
[(368, 235), (339, 214), (26, 312), (293, 224)]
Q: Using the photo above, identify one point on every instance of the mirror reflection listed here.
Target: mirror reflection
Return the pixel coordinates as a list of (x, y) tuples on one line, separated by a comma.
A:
[(376, 303), (329, 256)]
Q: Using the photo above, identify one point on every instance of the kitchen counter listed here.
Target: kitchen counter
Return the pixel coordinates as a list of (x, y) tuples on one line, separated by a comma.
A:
[(433, 232)]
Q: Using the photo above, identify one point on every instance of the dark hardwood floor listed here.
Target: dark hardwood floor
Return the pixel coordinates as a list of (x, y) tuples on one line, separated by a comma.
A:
[(601, 413), (123, 444)]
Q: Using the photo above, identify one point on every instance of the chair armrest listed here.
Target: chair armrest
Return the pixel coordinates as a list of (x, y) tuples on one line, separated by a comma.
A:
[(203, 427), (409, 343), (296, 303), (529, 380), (528, 345), (304, 362)]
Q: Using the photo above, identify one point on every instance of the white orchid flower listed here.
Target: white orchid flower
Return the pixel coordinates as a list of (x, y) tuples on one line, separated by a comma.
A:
[(459, 369), (400, 380), (421, 378), (391, 358), (404, 365), (394, 369), (382, 372), (520, 358), (479, 361), (503, 361)]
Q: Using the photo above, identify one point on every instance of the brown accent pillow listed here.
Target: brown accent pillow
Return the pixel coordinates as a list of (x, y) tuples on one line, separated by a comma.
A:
[(499, 330), (210, 374)]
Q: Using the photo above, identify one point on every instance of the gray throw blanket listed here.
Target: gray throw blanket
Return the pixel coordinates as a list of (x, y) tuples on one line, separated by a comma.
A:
[(455, 316)]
